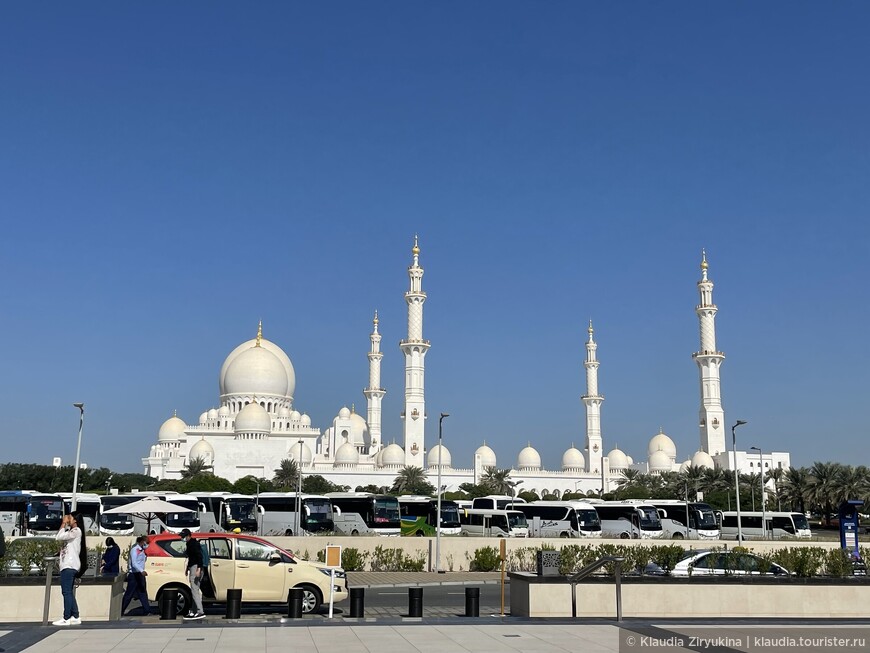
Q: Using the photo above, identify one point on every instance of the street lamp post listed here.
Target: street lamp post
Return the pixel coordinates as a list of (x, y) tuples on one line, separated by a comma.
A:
[(761, 477), (74, 499), (257, 508), (299, 489), (740, 422), (514, 492), (438, 508)]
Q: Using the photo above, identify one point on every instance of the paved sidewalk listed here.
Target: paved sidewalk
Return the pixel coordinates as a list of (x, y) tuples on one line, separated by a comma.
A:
[(421, 578)]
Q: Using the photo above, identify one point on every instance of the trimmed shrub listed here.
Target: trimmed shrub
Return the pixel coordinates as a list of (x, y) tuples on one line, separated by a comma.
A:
[(485, 559), (353, 559)]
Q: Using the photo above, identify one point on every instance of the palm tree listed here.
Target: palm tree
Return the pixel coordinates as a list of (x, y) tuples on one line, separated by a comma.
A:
[(195, 467), (796, 487), (776, 474), (412, 480), (628, 478), (852, 483), (498, 481), (823, 486), (287, 474)]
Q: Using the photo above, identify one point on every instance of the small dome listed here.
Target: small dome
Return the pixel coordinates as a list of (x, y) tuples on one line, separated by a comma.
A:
[(202, 449), (253, 418), (256, 371), (703, 459), (660, 461), (393, 454), (224, 411), (617, 459), (487, 455), (305, 420), (529, 458), (358, 422), (685, 466), (213, 413), (378, 456), (203, 417), (630, 460), (662, 442), (295, 415), (171, 430), (293, 453), (573, 459), (446, 461), (344, 413), (284, 411), (346, 455)]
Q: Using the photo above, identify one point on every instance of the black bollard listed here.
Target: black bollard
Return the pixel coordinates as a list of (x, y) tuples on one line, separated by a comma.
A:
[(357, 602), (294, 603), (234, 604), (168, 605), (472, 601), (415, 601)]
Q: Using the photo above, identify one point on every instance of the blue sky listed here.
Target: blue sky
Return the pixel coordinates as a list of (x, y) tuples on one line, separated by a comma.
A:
[(171, 173)]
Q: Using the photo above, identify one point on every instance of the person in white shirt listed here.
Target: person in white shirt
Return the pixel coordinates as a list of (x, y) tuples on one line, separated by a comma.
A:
[(70, 564)]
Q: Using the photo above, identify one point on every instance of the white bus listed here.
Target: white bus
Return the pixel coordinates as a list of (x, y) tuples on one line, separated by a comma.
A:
[(277, 514), (628, 519), (175, 522), (560, 519), (780, 525), (359, 513), (703, 524), (239, 513), (418, 516), (88, 506), (495, 502), (483, 522)]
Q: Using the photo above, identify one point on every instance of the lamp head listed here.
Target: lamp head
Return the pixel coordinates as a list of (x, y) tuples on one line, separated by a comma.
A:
[(80, 406), (740, 422), (443, 415), (754, 449)]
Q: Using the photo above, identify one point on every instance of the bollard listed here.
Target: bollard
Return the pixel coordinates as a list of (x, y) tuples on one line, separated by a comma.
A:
[(357, 602), (234, 604), (168, 605), (472, 601), (415, 601), (294, 603)]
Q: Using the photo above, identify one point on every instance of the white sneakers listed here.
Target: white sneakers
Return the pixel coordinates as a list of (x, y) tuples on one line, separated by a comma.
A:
[(72, 621)]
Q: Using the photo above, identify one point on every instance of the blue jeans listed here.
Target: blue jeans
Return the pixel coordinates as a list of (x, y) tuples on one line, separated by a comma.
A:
[(67, 589)]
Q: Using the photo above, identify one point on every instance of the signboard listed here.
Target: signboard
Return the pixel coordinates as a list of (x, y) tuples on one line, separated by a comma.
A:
[(333, 556)]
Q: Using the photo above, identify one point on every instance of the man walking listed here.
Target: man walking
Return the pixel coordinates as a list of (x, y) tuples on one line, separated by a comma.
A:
[(136, 577), (193, 551)]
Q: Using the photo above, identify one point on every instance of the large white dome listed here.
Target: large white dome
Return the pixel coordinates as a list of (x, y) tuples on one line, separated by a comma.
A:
[(662, 442), (171, 430), (617, 459), (256, 371), (446, 460), (202, 449), (660, 461), (393, 455), (253, 418), (529, 458), (293, 453), (573, 459), (347, 454), (703, 459), (486, 454), (271, 347)]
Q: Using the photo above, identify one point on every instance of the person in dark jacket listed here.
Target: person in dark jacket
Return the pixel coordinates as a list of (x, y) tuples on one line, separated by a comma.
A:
[(111, 559), (193, 551)]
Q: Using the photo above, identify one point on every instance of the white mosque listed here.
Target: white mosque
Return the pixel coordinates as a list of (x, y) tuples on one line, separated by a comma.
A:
[(256, 424)]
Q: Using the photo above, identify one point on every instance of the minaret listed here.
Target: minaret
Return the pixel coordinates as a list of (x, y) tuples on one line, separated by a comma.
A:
[(593, 401), (415, 348), (712, 417), (375, 393)]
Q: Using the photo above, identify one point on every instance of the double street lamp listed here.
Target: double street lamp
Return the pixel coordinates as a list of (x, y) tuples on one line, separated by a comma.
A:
[(440, 491), (761, 478), (740, 422), (74, 499)]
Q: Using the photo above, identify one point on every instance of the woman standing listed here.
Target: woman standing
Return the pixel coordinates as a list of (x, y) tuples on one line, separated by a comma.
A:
[(111, 558), (70, 564)]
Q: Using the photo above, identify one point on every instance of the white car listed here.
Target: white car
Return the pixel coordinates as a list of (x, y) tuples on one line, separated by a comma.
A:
[(725, 563)]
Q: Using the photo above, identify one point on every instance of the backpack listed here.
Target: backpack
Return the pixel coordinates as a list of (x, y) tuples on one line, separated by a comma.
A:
[(206, 559)]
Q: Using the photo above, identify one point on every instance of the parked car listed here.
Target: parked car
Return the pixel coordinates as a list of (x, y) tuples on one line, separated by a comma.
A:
[(260, 569), (722, 563)]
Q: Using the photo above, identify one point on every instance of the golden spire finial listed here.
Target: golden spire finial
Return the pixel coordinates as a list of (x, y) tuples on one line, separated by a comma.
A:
[(352, 409), (416, 249), (375, 321), (175, 413), (703, 259), (259, 333)]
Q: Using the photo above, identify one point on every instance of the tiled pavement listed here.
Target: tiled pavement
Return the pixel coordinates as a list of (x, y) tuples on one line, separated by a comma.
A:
[(412, 578)]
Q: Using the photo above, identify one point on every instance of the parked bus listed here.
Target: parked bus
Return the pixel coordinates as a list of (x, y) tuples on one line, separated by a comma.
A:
[(175, 522), (240, 514), (13, 512), (483, 522), (496, 502), (703, 524), (359, 513), (418, 516), (277, 511), (30, 513), (88, 506), (628, 519), (780, 525), (587, 517), (116, 523), (211, 511), (559, 519)]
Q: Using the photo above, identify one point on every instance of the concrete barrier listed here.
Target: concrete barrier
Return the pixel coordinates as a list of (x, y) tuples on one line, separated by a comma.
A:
[(22, 599), (666, 598)]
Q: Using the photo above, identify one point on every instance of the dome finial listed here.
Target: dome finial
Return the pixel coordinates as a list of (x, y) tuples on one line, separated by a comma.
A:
[(175, 413), (416, 249), (352, 408), (259, 333), (703, 259), (375, 320)]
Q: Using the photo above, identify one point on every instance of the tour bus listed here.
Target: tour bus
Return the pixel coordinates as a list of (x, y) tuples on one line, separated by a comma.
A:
[(88, 506), (30, 513), (779, 525), (628, 519), (559, 519), (13, 512), (211, 511), (491, 522), (495, 502), (116, 523), (587, 517), (702, 519), (240, 514), (418, 516), (175, 522), (277, 512), (360, 513)]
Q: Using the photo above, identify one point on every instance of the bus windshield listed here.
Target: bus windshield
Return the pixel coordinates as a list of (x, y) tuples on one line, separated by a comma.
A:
[(517, 520), (705, 518), (588, 520), (649, 519), (318, 513), (46, 512), (449, 516), (800, 521), (241, 509), (387, 512)]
